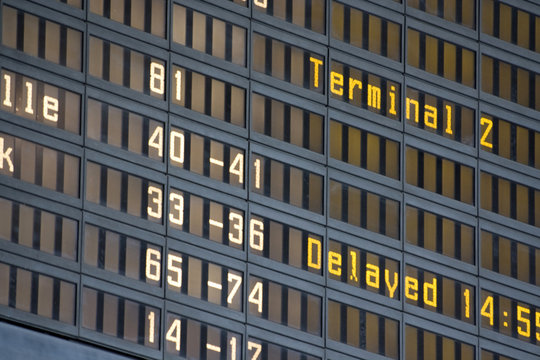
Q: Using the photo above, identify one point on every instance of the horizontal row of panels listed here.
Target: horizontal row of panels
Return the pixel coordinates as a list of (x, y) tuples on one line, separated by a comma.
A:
[(345, 20), (452, 120), (260, 345), (277, 58), (363, 263), (155, 265), (48, 102), (275, 178), (127, 193), (50, 297)]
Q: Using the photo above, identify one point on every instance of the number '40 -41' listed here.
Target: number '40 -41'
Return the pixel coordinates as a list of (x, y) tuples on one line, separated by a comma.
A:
[(178, 156)]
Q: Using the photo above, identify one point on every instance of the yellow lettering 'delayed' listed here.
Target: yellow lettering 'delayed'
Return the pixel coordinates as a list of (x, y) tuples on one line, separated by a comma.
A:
[(411, 288), (334, 263), (391, 287), (353, 273), (430, 293), (425, 291), (318, 246), (372, 275), (372, 272)]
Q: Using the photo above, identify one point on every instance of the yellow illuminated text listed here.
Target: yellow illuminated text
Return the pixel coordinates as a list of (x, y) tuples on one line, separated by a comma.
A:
[(374, 96), (314, 243), (334, 259), (352, 84), (316, 64), (449, 120), (392, 109), (520, 318), (486, 131), (430, 291), (391, 287), (374, 93), (372, 272), (354, 275), (467, 296), (408, 103), (411, 288), (336, 83), (372, 275), (487, 309), (431, 115), (430, 300)]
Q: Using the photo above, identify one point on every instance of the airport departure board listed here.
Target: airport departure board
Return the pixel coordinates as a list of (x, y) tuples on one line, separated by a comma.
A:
[(270, 179)]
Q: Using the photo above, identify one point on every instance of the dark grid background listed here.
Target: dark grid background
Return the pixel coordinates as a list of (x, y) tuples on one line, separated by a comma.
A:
[(245, 138)]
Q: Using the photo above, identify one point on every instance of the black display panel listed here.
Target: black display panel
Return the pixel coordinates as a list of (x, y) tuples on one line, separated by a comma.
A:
[(260, 179), (363, 329), (40, 101)]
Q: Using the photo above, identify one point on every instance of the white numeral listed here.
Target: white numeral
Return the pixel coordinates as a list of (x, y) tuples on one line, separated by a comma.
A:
[(151, 325), (256, 296), (7, 93), (153, 264), (172, 260), (233, 348), (156, 140), (156, 200), (157, 74), (177, 139), (258, 347), (237, 279), (238, 226), (177, 201), (256, 236), (178, 77), (175, 328), (257, 164), (237, 167)]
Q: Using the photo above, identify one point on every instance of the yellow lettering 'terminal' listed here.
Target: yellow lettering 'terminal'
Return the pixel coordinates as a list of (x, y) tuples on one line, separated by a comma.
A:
[(336, 79), (317, 63)]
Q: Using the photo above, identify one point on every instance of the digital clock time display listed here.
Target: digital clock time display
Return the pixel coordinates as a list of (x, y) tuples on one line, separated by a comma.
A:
[(510, 317)]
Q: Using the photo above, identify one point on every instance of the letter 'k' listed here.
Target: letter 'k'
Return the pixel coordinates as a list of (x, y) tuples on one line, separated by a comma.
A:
[(5, 155)]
